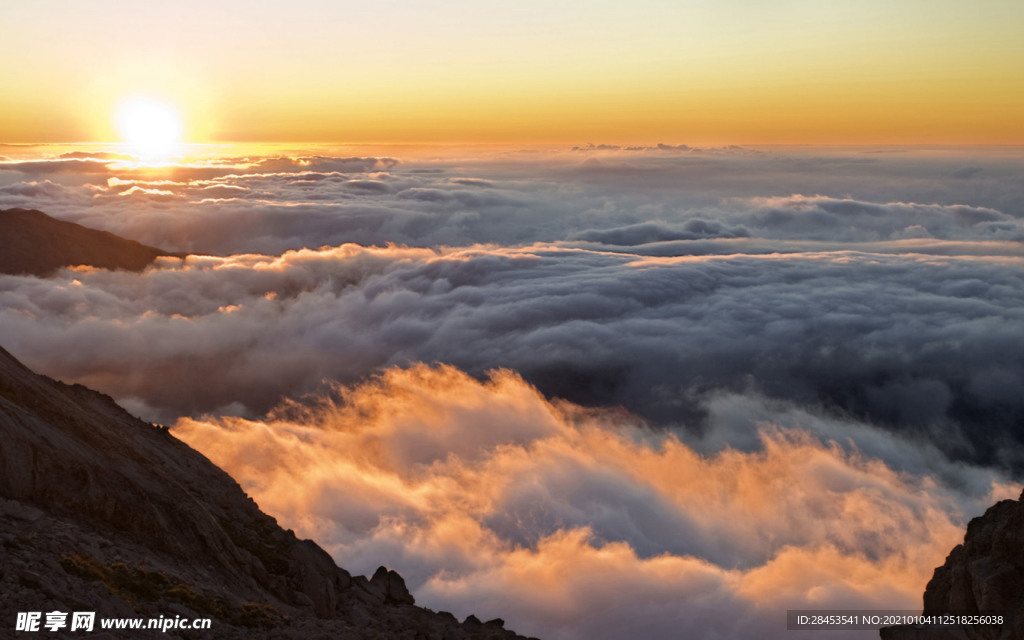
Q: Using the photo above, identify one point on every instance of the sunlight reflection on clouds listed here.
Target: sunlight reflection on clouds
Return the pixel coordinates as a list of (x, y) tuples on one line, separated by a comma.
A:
[(572, 522)]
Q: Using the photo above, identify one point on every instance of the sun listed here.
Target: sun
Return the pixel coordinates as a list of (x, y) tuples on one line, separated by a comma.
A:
[(150, 128)]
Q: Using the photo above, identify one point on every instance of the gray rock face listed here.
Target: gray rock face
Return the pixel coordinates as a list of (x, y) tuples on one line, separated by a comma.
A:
[(102, 512), (984, 575)]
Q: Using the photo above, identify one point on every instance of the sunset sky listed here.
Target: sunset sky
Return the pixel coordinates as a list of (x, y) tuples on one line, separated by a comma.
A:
[(647, 71)]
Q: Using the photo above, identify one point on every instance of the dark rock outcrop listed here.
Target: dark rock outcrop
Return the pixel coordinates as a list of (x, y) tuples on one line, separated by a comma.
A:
[(984, 575), (33, 243), (102, 512), (391, 586)]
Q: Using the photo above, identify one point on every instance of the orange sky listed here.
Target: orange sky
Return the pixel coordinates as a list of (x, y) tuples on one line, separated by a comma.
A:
[(693, 71)]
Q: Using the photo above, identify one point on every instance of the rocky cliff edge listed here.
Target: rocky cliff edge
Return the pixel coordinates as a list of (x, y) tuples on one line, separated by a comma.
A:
[(102, 512)]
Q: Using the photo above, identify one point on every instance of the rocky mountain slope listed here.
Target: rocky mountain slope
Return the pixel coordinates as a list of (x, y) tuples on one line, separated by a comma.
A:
[(983, 575), (32, 242), (102, 512)]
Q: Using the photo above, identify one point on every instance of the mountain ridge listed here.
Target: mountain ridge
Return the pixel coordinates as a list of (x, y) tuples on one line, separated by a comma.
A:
[(105, 512), (34, 243)]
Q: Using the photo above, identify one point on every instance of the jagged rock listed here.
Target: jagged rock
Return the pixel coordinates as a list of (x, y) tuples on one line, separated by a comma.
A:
[(984, 575), (102, 512), (393, 586)]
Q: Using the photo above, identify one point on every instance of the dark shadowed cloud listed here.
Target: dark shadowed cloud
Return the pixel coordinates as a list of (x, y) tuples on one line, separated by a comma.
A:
[(921, 343)]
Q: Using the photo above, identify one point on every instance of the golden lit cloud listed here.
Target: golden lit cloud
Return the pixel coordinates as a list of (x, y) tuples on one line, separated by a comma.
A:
[(491, 499)]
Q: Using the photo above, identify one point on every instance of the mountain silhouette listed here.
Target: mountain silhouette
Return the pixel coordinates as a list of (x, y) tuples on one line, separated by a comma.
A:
[(34, 243)]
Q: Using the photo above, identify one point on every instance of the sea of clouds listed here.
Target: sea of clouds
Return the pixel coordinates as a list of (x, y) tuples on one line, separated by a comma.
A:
[(601, 393)]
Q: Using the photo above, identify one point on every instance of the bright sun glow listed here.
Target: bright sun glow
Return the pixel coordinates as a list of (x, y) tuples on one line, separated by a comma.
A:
[(150, 128)]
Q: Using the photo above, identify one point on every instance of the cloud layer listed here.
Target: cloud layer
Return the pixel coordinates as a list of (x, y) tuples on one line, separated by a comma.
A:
[(577, 523), (238, 204), (666, 388), (924, 344)]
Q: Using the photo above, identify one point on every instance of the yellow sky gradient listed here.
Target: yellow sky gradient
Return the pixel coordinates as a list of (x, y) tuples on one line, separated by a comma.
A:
[(688, 71)]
